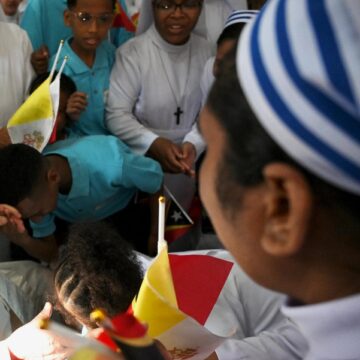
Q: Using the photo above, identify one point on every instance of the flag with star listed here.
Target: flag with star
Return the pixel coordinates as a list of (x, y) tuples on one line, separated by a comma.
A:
[(178, 222)]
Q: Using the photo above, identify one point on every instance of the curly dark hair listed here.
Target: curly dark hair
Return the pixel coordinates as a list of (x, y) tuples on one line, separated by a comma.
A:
[(21, 167), (97, 269)]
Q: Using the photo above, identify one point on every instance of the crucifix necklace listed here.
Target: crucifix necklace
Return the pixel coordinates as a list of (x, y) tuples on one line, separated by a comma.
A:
[(178, 100)]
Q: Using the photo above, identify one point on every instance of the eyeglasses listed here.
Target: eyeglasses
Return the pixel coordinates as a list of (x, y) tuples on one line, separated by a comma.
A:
[(86, 19), (169, 6)]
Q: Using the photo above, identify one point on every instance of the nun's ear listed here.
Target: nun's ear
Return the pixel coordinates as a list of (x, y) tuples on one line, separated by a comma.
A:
[(288, 207)]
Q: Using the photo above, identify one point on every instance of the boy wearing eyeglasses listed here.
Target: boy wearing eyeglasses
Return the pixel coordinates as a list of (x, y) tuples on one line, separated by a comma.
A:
[(90, 59)]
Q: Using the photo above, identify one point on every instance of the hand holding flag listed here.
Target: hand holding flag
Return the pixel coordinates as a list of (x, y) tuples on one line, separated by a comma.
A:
[(34, 122), (176, 298)]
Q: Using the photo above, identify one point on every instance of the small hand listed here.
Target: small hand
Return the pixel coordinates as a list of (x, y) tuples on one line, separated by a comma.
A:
[(188, 158), (30, 342), (76, 105), (10, 218), (167, 154), (40, 60)]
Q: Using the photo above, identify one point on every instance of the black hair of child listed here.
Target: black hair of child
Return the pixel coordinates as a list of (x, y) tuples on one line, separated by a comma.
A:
[(66, 83), (21, 167), (231, 32)]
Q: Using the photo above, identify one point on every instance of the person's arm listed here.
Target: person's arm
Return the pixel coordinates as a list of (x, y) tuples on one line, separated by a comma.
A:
[(40, 60), (169, 155), (188, 158), (194, 137), (11, 224), (282, 343), (140, 172), (9, 216), (125, 88), (43, 249)]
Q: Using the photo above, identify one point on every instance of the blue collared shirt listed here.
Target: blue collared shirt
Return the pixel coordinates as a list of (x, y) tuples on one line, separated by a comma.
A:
[(92, 81), (105, 176)]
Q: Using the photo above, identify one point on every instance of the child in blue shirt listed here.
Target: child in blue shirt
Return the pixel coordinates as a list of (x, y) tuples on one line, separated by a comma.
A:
[(76, 180), (44, 23), (90, 60)]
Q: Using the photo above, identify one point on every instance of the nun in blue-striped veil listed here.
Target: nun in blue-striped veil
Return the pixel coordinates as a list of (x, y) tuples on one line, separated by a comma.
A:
[(281, 176)]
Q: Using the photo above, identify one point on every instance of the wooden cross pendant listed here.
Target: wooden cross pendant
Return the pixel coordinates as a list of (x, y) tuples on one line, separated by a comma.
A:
[(178, 113)]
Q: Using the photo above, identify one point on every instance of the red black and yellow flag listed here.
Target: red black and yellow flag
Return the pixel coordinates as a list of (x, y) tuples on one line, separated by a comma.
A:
[(122, 19)]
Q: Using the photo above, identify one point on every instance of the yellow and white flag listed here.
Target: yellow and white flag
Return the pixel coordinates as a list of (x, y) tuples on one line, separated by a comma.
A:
[(33, 123), (175, 300)]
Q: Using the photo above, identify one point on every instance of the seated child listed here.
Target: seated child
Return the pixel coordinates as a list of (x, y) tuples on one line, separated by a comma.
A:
[(76, 180), (98, 270), (90, 60)]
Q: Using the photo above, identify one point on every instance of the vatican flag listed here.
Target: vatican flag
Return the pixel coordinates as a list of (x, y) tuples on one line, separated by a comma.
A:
[(33, 123), (177, 297)]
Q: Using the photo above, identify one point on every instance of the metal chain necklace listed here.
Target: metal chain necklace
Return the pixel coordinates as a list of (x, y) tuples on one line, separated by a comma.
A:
[(178, 102)]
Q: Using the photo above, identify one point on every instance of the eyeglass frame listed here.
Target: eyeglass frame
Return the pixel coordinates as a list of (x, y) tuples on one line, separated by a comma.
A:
[(88, 22), (174, 6)]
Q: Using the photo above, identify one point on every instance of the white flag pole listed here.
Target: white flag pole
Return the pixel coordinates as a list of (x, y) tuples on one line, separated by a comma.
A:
[(63, 65), (161, 221), (56, 59)]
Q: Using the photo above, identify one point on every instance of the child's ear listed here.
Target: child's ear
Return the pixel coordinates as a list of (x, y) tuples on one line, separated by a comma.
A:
[(53, 176), (288, 207), (67, 17)]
